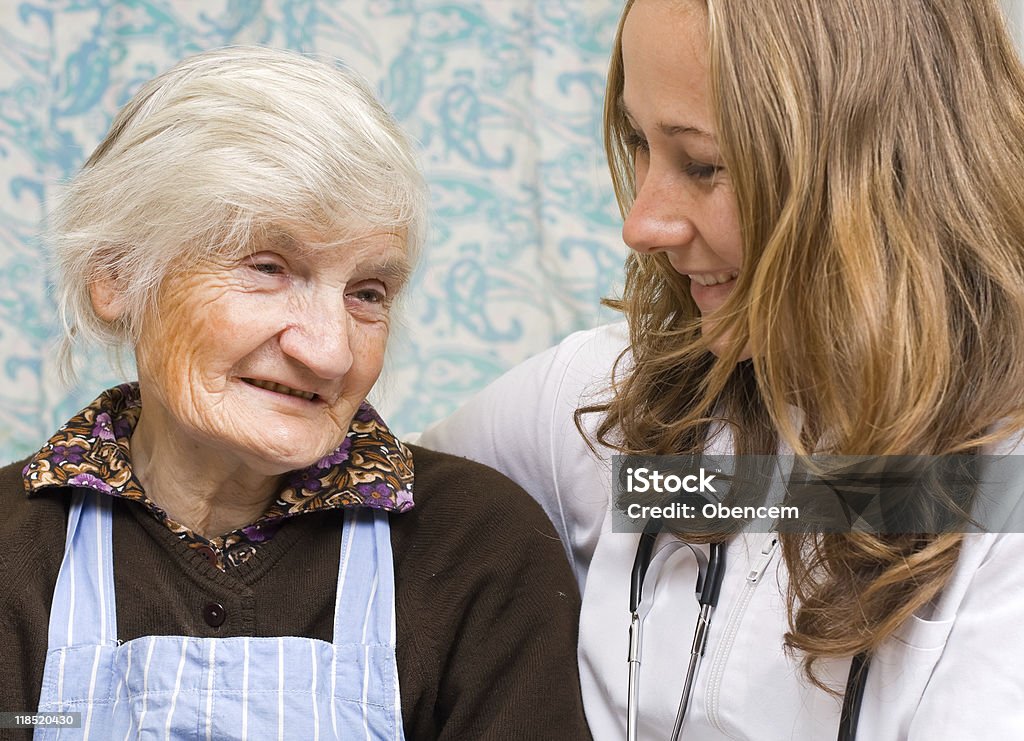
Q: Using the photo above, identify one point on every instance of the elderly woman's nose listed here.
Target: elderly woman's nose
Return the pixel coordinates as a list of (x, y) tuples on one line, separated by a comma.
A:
[(321, 340)]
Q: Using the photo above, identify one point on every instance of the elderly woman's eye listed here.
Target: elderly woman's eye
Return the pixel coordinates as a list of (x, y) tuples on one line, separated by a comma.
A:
[(267, 268), (267, 263), (370, 292), (370, 296)]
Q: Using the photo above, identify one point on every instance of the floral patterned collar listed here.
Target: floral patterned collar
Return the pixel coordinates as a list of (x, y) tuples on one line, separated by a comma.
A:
[(371, 468)]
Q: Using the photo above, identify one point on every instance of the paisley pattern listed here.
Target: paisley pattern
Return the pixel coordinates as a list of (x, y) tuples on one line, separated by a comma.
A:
[(503, 96), (371, 468)]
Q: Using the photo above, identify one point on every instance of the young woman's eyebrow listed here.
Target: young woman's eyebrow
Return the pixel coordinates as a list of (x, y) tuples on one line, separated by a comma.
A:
[(666, 128)]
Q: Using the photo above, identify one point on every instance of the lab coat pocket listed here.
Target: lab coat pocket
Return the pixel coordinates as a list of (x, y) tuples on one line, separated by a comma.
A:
[(924, 635), (900, 672)]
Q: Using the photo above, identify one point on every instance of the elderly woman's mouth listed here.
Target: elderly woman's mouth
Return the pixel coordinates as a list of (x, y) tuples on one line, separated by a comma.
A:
[(281, 389)]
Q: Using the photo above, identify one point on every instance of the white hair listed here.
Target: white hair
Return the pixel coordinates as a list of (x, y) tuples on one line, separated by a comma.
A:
[(226, 149)]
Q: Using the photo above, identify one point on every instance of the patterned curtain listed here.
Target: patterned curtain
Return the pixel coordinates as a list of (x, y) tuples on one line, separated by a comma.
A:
[(503, 96)]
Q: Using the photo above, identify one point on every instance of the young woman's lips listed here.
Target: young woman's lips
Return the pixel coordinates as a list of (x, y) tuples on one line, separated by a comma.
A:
[(709, 290)]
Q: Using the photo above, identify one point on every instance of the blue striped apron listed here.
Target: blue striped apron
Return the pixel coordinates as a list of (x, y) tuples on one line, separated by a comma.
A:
[(180, 687)]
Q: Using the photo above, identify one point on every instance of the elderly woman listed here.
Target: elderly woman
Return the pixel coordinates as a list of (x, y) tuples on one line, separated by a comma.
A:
[(235, 545)]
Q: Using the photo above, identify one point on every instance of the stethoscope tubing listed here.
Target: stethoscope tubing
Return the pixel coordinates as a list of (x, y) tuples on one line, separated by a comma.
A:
[(700, 642), (710, 573)]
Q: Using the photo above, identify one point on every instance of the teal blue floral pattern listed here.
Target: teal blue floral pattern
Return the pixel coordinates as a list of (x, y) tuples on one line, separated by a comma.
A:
[(503, 96)]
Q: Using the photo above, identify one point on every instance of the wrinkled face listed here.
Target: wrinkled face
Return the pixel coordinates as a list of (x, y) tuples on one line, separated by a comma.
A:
[(266, 359), (685, 205)]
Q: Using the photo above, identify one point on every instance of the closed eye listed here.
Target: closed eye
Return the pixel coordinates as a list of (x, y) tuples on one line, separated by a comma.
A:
[(700, 171)]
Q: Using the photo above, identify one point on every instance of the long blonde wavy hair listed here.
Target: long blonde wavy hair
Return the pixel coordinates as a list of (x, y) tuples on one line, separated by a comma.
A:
[(876, 148)]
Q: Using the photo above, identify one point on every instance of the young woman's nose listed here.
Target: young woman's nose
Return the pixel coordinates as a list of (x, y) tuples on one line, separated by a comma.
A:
[(659, 220)]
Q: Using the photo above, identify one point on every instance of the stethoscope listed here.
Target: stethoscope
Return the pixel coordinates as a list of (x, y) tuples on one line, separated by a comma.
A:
[(710, 571)]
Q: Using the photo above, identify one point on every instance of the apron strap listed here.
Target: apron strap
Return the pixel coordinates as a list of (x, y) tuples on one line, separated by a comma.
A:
[(85, 582), (366, 581)]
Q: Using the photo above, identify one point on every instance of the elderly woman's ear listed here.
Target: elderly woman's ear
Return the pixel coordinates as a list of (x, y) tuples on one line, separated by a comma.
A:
[(107, 299)]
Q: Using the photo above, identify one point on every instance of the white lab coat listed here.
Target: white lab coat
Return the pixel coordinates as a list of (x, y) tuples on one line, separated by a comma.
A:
[(956, 673)]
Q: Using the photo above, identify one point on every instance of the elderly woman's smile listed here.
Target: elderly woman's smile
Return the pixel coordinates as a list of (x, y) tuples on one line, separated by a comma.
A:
[(281, 389), (261, 361)]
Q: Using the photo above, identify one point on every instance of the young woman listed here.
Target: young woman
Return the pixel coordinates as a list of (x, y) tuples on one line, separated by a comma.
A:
[(825, 209)]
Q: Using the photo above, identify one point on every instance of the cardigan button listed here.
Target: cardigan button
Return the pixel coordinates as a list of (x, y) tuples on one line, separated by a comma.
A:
[(214, 614), (209, 554)]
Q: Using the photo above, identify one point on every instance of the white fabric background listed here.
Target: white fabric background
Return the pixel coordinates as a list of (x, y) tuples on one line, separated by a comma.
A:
[(504, 97)]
